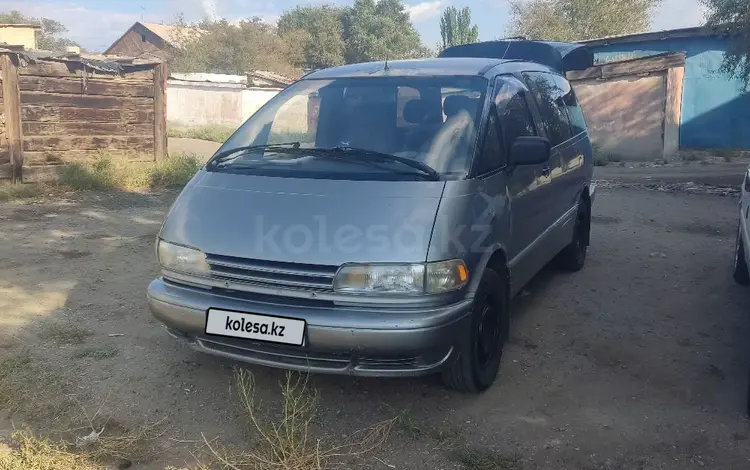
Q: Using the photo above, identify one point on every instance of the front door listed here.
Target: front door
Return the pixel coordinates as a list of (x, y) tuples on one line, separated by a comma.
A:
[(518, 191)]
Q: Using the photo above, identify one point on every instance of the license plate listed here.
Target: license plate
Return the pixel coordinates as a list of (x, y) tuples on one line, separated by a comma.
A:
[(256, 327)]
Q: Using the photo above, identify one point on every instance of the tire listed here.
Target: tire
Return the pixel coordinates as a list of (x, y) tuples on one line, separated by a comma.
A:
[(573, 257), (476, 361), (741, 274)]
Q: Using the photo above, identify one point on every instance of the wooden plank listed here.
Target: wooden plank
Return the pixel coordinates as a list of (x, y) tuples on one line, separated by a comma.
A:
[(83, 86), (141, 114), (590, 73), (33, 174), (75, 69), (12, 111), (673, 111), (100, 102), (645, 65), (160, 111), (85, 128), (104, 143), (80, 156)]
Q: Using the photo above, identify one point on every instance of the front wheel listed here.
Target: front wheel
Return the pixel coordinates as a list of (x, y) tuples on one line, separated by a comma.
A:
[(476, 361)]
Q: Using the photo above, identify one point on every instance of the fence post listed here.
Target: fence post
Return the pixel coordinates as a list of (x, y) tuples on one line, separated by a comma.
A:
[(12, 104), (673, 111), (160, 111)]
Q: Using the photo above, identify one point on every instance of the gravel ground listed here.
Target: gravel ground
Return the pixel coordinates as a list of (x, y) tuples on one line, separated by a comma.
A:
[(640, 361)]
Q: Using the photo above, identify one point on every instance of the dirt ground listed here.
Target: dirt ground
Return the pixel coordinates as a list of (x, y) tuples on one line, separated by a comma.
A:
[(640, 361)]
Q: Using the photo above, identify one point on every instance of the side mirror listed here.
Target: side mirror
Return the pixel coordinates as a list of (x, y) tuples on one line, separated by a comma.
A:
[(529, 150)]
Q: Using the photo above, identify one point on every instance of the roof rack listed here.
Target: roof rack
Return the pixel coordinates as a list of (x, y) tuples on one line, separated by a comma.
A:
[(561, 56)]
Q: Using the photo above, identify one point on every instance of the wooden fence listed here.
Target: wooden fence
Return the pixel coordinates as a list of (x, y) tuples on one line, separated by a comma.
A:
[(54, 112)]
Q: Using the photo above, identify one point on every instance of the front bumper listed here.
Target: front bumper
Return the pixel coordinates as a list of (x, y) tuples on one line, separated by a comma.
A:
[(384, 342)]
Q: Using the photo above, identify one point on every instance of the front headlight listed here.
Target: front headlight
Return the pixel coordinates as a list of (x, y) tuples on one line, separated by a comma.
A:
[(181, 258), (430, 278)]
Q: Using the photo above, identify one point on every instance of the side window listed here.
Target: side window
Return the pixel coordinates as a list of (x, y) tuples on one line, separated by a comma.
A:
[(492, 156), (577, 121), (516, 120), (549, 98)]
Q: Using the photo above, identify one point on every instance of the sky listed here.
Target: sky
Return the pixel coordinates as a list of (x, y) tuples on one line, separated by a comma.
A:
[(95, 24)]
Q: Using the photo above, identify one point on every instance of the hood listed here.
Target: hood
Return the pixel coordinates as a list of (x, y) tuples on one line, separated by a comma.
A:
[(313, 221)]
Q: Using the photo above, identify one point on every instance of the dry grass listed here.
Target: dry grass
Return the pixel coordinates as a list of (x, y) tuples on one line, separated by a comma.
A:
[(107, 173), (10, 192), (96, 352), (213, 133), (28, 452), (288, 444), (37, 392), (64, 334)]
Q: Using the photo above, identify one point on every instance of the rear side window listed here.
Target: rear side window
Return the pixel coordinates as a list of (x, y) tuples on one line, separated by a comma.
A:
[(554, 112), (577, 121)]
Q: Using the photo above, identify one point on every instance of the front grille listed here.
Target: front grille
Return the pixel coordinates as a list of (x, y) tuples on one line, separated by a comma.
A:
[(299, 276)]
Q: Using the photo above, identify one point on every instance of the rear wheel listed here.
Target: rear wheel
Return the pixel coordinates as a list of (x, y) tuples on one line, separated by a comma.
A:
[(741, 274), (573, 257), (474, 365)]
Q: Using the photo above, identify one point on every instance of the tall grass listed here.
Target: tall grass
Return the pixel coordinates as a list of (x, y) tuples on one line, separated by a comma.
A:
[(106, 173), (213, 133)]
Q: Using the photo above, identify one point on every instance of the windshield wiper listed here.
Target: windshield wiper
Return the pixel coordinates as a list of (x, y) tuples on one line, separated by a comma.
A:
[(374, 156), (222, 156), (369, 156)]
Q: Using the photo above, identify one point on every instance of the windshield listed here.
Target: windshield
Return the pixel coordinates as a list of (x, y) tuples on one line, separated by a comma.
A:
[(431, 120)]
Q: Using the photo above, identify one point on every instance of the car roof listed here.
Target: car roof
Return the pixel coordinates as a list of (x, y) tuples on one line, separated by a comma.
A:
[(460, 66)]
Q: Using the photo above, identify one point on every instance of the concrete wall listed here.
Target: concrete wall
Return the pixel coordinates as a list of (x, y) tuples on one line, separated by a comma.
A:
[(625, 116), (18, 36), (714, 108), (205, 103)]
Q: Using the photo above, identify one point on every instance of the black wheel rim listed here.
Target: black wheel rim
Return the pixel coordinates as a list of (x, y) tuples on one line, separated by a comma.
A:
[(488, 334)]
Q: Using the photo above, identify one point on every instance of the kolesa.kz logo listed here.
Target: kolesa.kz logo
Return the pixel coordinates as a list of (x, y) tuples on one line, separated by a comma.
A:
[(251, 327)]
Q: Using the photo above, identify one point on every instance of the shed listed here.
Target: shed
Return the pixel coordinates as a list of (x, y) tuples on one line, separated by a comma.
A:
[(632, 107), (57, 108), (19, 34), (714, 112), (152, 39)]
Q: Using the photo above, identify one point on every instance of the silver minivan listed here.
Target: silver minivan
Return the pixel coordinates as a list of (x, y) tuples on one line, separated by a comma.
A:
[(376, 219)]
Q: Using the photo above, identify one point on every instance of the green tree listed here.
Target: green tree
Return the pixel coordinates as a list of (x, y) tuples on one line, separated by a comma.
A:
[(737, 14), (378, 31), (319, 32), (577, 20), (236, 49), (456, 27), (48, 38)]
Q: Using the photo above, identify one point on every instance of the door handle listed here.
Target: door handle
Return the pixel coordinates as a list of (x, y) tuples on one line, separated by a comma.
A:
[(546, 170)]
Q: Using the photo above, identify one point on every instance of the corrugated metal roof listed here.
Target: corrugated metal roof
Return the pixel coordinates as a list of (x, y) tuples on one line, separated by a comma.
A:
[(697, 31)]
